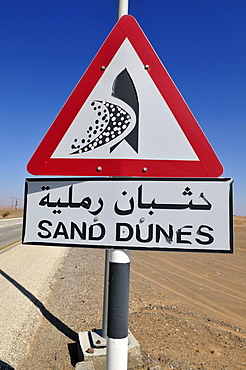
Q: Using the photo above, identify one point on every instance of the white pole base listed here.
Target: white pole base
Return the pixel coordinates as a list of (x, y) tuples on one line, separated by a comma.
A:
[(117, 354)]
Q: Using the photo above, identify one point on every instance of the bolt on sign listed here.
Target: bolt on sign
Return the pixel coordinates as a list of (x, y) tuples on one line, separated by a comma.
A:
[(141, 213)]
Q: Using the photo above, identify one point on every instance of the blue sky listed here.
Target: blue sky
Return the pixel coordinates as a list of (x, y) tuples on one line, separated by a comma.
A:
[(46, 46)]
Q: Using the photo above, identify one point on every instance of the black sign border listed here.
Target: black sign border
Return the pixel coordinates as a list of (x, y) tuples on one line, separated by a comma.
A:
[(143, 179)]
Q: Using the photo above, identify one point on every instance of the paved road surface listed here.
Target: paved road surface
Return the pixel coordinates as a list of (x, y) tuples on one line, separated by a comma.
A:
[(10, 231)]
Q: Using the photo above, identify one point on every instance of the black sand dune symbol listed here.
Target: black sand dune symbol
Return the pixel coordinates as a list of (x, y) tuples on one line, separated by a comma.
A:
[(112, 120)]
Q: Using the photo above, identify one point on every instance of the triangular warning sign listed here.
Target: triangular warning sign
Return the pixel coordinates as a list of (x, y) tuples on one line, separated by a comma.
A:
[(125, 118)]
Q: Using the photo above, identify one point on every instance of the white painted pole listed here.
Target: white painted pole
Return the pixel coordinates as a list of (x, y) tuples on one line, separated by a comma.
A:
[(122, 8), (118, 291), (118, 301)]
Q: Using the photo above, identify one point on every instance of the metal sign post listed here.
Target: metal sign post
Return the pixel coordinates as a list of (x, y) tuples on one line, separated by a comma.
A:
[(118, 300), (122, 8), (118, 291)]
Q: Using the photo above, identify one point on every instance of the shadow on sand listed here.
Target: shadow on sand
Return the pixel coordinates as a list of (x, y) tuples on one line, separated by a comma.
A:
[(48, 315), (5, 366)]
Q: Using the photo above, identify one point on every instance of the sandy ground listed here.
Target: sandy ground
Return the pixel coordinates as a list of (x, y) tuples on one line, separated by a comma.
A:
[(12, 212), (193, 313), (187, 310)]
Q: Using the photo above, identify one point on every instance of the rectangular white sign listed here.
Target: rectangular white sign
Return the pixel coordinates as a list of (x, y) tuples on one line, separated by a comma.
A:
[(135, 213)]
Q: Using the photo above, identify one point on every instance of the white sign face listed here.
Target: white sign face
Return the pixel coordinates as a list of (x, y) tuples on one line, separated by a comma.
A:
[(140, 213), (157, 121)]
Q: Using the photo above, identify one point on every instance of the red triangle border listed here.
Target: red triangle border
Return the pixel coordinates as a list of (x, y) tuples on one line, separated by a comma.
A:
[(208, 165)]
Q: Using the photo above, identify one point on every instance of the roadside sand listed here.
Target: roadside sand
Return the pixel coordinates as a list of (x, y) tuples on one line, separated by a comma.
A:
[(12, 212)]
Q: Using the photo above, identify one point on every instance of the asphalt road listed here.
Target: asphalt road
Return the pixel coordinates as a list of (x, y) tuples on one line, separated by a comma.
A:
[(10, 232)]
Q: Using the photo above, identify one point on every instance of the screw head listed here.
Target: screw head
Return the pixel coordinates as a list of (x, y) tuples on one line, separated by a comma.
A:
[(142, 219), (90, 350), (146, 66), (103, 68), (145, 169), (96, 218), (99, 168)]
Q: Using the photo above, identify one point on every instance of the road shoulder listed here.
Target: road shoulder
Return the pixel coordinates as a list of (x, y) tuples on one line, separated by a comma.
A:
[(25, 283)]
